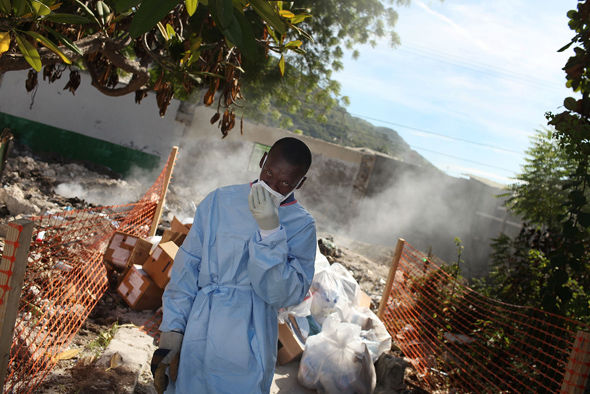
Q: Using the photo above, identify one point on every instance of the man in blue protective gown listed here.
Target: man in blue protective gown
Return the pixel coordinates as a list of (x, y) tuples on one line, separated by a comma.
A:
[(250, 251)]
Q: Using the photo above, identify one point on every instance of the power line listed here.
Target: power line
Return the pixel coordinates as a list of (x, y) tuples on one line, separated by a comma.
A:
[(477, 66), (459, 158), (438, 134)]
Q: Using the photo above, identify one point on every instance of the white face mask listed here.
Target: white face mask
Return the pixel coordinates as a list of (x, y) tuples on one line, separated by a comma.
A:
[(277, 197)]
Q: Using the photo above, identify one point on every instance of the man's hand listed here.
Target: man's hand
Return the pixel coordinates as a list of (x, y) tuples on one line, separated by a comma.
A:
[(167, 355), (263, 208)]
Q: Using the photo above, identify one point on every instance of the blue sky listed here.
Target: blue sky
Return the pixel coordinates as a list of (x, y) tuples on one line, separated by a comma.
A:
[(482, 71)]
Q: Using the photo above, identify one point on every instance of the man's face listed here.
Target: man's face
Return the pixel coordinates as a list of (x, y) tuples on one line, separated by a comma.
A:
[(281, 176)]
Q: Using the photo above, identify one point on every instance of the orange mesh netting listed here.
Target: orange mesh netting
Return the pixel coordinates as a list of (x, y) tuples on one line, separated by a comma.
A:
[(460, 340), (65, 278)]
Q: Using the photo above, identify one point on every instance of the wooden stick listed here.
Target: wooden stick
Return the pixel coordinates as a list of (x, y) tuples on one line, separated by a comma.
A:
[(167, 176), (390, 278), (578, 366), (11, 299)]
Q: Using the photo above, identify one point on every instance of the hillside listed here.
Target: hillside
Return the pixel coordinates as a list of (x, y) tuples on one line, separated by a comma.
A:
[(333, 124)]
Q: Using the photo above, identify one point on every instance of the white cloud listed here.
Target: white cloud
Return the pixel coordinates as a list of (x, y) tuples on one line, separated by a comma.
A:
[(478, 70), (465, 34)]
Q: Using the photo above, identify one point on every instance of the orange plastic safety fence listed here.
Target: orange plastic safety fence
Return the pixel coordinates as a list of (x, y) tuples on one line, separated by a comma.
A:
[(460, 340), (152, 325), (64, 280)]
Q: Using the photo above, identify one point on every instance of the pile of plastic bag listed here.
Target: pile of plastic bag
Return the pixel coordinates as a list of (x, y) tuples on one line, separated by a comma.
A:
[(340, 358)]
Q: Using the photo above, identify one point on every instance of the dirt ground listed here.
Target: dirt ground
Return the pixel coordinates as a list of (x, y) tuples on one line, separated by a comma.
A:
[(30, 186)]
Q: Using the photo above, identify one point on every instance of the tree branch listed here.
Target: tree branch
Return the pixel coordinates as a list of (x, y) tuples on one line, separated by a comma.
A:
[(97, 42), (140, 74)]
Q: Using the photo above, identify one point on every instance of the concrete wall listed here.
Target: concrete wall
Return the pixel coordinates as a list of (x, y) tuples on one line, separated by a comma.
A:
[(118, 120)]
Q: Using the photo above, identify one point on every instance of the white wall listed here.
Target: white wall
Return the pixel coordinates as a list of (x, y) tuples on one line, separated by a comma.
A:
[(114, 119)]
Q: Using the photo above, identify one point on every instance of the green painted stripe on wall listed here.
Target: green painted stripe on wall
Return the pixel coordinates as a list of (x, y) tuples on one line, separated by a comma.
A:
[(42, 138)]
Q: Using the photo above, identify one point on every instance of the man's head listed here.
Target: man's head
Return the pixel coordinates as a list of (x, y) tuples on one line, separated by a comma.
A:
[(285, 165)]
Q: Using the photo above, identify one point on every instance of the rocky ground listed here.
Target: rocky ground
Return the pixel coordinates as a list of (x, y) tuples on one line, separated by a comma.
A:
[(34, 185)]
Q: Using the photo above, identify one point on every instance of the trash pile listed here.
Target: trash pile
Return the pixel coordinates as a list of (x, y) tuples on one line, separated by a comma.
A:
[(337, 336)]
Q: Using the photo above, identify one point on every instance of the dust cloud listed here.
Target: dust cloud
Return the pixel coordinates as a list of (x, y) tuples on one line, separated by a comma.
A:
[(105, 191), (204, 164), (414, 209)]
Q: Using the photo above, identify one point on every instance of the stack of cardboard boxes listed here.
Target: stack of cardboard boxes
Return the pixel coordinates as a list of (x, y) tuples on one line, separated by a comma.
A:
[(140, 268)]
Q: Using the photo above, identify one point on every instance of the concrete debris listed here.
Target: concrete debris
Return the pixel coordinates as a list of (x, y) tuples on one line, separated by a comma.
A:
[(126, 356), (15, 201)]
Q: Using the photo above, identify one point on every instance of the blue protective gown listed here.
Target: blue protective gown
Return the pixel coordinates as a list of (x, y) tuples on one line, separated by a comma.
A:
[(226, 287)]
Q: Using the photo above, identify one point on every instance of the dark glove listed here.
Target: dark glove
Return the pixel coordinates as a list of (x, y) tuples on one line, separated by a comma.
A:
[(165, 357)]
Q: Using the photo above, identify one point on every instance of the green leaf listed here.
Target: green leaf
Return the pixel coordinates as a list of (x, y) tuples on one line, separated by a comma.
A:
[(39, 8), (103, 11), (293, 44), (66, 41), (191, 6), (299, 18), (150, 12), (286, 14), (282, 65), (266, 12), (4, 41), (45, 41), (244, 37), (5, 6), (19, 7), (584, 219), (29, 52), (223, 12), (124, 5), (170, 30), (563, 48), (67, 18), (88, 12)]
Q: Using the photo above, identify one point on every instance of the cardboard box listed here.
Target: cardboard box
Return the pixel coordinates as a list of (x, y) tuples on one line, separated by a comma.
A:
[(139, 291), (158, 265), (169, 235), (125, 250), (178, 227), (290, 347)]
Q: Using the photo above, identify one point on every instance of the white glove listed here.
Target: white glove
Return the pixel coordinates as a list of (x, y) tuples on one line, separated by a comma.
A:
[(263, 208)]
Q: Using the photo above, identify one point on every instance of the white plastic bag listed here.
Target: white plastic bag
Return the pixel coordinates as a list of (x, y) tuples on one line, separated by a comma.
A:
[(336, 360), (373, 332), (321, 262), (303, 309), (333, 289)]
